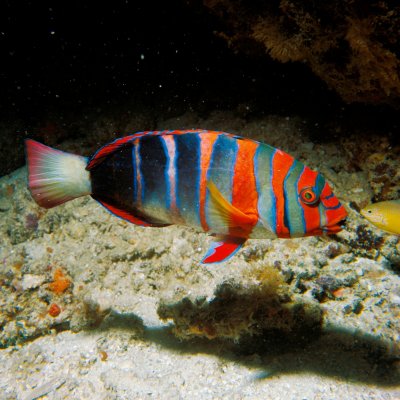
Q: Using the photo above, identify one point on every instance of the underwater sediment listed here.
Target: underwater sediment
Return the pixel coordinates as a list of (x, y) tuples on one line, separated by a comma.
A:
[(138, 301)]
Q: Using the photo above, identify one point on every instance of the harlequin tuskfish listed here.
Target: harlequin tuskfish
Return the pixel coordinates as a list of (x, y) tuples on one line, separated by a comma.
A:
[(385, 215), (231, 187)]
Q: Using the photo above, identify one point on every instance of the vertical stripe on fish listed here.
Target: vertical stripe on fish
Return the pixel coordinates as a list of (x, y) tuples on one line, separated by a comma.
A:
[(153, 164), (189, 172), (171, 176), (244, 190), (221, 170), (266, 200), (206, 148), (293, 211), (281, 164), (137, 174), (311, 215)]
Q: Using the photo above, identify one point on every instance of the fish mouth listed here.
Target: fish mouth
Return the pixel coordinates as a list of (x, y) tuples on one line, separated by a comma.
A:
[(335, 226)]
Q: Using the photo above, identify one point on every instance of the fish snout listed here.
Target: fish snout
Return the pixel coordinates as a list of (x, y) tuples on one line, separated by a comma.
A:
[(338, 222)]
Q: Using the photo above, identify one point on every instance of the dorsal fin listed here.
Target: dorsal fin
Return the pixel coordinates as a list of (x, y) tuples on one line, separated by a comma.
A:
[(110, 148)]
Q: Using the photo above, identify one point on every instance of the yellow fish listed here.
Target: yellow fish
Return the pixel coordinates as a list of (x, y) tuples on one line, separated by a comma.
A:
[(385, 215)]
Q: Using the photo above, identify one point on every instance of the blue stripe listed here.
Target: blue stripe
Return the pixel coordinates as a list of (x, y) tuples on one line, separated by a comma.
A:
[(137, 167), (333, 208), (319, 185), (222, 162), (262, 171), (255, 163), (142, 181), (286, 198), (134, 174), (273, 197), (168, 189), (232, 169), (221, 168), (330, 196), (303, 218), (322, 217), (166, 176), (198, 173), (175, 166)]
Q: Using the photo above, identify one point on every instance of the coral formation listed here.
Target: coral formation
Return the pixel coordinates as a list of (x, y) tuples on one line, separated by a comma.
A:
[(353, 46)]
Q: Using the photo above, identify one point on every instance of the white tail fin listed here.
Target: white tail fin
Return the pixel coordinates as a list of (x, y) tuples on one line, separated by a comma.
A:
[(54, 176)]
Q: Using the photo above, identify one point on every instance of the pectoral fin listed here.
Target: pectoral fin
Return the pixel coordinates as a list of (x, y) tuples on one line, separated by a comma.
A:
[(225, 212), (223, 249)]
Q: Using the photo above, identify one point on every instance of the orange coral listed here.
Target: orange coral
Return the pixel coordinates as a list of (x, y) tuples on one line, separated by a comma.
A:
[(60, 282)]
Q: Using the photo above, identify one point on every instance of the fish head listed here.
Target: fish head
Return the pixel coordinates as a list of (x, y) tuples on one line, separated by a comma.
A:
[(374, 214), (323, 214), (384, 215)]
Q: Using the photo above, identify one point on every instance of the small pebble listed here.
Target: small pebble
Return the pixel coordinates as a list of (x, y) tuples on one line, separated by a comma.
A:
[(5, 204), (30, 281), (54, 310)]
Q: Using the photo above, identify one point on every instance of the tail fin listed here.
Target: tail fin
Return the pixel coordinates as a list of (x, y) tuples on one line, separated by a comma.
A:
[(55, 177)]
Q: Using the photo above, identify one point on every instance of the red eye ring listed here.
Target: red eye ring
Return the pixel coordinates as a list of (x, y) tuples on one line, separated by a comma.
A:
[(308, 196)]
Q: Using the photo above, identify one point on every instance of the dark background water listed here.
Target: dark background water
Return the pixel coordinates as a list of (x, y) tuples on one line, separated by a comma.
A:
[(71, 55), (73, 61)]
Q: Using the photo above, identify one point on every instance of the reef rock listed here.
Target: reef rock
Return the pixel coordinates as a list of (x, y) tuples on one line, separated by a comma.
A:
[(351, 45)]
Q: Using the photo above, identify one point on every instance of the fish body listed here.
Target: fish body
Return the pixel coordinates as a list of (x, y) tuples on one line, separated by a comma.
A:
[(384, 215), (231, 187)]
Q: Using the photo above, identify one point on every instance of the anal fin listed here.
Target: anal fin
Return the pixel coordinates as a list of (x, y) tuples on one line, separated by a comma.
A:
[(129, 216), (223, 249)]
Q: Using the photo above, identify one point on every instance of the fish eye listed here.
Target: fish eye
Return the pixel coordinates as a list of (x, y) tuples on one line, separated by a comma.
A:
[(308, 196)]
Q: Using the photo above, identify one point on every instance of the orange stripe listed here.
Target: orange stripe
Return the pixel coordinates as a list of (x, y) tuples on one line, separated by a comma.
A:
[(206, 146), (311, 214), (244, 190), (337, 212), (281, 164)]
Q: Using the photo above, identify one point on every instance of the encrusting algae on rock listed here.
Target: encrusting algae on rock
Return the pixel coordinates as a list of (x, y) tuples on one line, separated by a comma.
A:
[(60, 282), (54, 310), (260, 303)]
